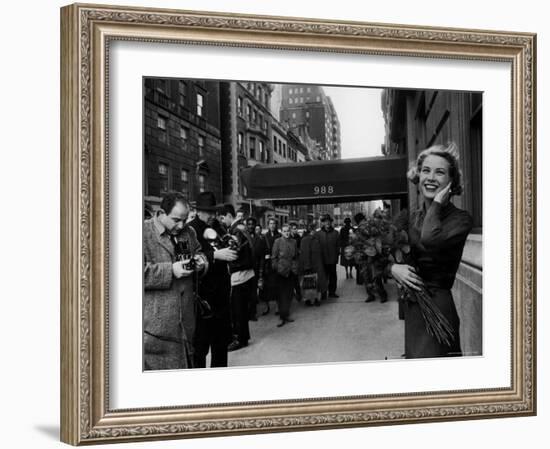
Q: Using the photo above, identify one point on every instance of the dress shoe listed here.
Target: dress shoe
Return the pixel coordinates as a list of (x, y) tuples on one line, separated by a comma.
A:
[(266, 311), (289, 320), (234, 345), (281, 323), (370, 298), (317, 303), (308, 303), (333, 295)]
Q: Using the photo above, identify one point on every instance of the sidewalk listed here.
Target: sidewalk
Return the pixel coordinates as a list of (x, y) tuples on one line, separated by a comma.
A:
[(340, 330)]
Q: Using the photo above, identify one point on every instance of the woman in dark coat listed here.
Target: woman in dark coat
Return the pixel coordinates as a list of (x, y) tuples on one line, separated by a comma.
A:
[(310, 261), (437, 234)]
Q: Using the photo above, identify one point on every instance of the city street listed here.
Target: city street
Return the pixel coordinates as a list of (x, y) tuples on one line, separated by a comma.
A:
[(340, 330)]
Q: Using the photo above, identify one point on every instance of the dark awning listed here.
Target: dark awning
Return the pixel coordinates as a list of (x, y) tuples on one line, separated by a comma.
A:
[(328, 181)]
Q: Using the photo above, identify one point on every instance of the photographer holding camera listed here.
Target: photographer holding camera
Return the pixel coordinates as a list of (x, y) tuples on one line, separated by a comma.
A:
[(213, 331), (242, 277), (172, 256)]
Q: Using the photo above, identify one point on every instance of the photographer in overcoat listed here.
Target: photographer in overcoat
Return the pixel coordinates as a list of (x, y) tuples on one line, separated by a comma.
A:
[(169, 286)]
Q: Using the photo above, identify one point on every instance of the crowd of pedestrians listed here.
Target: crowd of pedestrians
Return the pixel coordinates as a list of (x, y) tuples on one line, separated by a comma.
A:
[(209, 273)]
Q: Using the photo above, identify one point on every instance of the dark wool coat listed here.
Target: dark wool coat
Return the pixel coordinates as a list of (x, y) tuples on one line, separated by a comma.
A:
[(310, 260), (330, 245)]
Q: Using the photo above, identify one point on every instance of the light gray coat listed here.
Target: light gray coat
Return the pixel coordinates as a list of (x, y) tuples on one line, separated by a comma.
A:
[(168, 303)]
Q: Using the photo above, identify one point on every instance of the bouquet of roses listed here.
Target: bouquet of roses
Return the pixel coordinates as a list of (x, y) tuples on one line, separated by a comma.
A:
[(378, 242)]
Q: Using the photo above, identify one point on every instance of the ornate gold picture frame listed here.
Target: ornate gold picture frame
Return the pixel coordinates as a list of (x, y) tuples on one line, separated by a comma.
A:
[(87, 32)]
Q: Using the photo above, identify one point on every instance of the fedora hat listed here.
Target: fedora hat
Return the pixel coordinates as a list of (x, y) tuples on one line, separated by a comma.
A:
[(326, 217), (206, 201)]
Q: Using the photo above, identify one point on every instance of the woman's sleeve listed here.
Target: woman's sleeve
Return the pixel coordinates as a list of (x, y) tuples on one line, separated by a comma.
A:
[(456, 229)]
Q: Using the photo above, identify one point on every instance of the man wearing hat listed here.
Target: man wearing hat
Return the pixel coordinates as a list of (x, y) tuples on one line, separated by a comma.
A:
[(213, 333), (329, 241)]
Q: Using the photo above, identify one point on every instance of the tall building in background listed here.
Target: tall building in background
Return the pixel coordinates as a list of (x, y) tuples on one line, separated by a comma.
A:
[(416, 120), (182, 141), (308, 109)]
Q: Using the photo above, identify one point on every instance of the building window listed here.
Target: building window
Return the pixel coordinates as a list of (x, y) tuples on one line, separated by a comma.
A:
[(301, 99), (307, 114), (309, 89), (290, 91), (240, 138), (317, 98), (294, 115), (182, 93), (201, 146), (284, 150), (274, 144), (161, 125), (200, 104), (262, 152), (252, 148), (164, 177), (240, 106), (184, 181), (260, 120), (290, 101), (265, 98), (265, 125), (161, 122), (184, 134), (248, 112), (280, 148), (202, 183)]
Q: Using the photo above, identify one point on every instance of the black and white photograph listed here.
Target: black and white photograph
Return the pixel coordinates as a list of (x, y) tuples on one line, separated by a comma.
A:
[(300, 223)]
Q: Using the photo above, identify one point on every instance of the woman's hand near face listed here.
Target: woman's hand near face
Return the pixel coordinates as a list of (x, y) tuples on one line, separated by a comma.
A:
[(444, 195), (406, 275)]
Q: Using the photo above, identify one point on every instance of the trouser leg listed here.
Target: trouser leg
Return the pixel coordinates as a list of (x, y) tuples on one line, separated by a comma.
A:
[(285, 295), (330, 269)]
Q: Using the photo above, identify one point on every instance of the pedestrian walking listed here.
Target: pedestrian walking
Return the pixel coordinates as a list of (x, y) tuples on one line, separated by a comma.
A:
[(329, 241), (297, 291), (258, 244), (269, 292), (310, 262), (284, 260)]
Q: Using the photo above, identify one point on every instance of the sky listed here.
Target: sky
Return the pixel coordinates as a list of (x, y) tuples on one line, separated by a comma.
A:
[(361, 121)]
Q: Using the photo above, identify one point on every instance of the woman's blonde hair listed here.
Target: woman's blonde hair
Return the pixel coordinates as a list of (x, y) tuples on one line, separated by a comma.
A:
[(448, 152)]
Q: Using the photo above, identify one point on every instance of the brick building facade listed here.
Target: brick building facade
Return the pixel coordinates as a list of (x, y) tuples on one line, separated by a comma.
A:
[(182, 140)]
